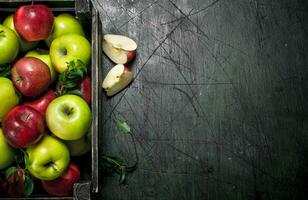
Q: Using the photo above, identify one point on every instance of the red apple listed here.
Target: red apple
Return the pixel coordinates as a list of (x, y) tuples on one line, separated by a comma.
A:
[(85, 88), (42, 102), (63, 186), (31, 76), (14, 186), (23, 126), (33, 22)]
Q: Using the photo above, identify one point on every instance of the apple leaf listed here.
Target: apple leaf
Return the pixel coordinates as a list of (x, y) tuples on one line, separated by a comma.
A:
[(11, 171), (28, 186), (123, 126), (5, 70)]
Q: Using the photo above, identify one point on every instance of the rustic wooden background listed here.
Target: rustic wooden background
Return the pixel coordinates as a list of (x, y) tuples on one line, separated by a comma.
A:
[(218, 107)]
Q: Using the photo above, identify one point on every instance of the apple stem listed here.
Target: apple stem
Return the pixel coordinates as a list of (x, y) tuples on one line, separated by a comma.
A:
[(32, 3), (2, 33)]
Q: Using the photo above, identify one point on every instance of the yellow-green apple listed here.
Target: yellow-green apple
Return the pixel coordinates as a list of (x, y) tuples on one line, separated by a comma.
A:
[(120, 49), (85, 88), (64, 24), (68, 117), (31, 76), (7, 153), (46, 59), (42, 102), (81, 146), (48, 159), (117, 79), (69, 47), (9, 46), (23, 126), (68, 179), (33, 22), (23, 44), (8, 96)]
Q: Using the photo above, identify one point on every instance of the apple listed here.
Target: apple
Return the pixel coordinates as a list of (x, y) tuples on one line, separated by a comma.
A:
[(33, 22), (9, 46), (46, 59), (31, 76), (14, 185), (120, 49), (48, 159), (8, 96), (23, 126), (42, 102), (7, 152), (85, 88), (23, 44), (117, 78), (68, 117), (81, 146), (68, 179), (67, 48), (64, 24)]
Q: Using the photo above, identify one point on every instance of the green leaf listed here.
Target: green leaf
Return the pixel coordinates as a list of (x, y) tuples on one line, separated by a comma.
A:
[(122, 126), (10, 171), (27, 161), (122, 175), (28, 186)]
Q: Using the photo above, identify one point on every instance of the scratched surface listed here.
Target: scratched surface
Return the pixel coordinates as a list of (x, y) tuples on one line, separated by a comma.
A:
[(218, 107)]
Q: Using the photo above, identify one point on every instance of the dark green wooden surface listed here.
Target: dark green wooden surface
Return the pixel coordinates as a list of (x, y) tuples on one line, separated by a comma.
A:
[(218, 107)]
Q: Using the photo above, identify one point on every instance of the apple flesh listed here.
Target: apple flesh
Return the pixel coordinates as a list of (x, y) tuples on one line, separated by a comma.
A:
[(64, 24), (85, 88), (9, 46), (42, 102), (117, 79), (46, 59), (33, 22), (63, 186), (8, 96), (7, 153), (23, 126), (23, 44), (31, 76), (120, 49), (48, 159)]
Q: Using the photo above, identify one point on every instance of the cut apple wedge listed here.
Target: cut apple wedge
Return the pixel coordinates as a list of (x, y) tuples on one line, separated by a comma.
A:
[(117, 79), (120, 49)]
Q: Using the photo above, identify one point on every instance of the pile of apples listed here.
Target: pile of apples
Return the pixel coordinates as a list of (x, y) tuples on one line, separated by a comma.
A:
[(45, 110)]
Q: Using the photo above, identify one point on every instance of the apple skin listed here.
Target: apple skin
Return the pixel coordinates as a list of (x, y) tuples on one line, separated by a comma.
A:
[(68, 179), (23, 126), (64, 24), (33, 22), (68, 117), (8, 96), (117, 79), (9, 46), (46, 59), (131, 55), (81, 146), (85, 87), (14, 188), (7, 152), (67, 48), (24, 45), (31, 76), (48, 159), (42, 102)]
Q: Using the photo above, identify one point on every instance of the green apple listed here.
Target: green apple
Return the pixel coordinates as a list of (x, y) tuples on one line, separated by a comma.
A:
[(23, 44), (68, 117), (9, 46), (48, 159), (81, 146), (8, 96), (67, 48), (7, 152), (64, 24), (46, 59)]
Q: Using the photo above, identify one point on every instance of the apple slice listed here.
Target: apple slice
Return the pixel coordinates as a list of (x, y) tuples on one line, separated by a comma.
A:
[(120, 49), (117, 78)]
